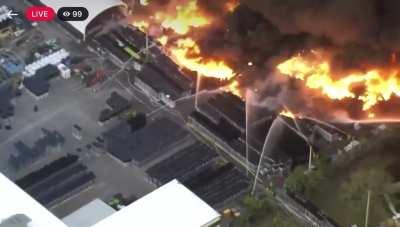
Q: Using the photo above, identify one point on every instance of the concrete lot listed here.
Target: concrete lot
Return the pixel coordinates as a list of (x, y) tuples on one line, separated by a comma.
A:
[(69, 103)]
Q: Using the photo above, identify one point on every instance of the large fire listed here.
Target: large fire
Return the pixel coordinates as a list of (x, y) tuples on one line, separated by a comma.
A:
[(187, 53), (379, 85), (180, 45), (186, 17), (176, 29)]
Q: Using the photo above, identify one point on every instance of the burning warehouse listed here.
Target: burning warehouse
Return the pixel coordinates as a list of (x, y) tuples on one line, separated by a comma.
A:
[(222, 120), (156, 85), (228, 106), (354, 74), (123, 44)]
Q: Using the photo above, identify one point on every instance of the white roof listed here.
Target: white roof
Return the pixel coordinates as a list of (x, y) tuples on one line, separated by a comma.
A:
[(89, 214), (15, 201), (170, 205), (95, 7)]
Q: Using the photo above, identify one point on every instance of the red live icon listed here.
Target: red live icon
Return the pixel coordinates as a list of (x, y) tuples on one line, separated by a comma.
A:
[(39, 13)]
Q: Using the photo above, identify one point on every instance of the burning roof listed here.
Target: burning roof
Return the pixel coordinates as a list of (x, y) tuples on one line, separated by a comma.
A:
[(316, 63)]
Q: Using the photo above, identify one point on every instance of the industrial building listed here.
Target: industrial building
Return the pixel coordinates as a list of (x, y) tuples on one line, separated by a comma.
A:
[(172, 71), (144, 144), (103, 10), (221, 121), (225, 106), (162, 80), (123, 43), (89, 214), (19, 202), (170, 205), (219, 184), (38, 85), (157, 86), (54, 58), (183, 165)]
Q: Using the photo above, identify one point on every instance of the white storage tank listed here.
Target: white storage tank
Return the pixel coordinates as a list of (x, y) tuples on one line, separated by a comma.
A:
[(65, 72)]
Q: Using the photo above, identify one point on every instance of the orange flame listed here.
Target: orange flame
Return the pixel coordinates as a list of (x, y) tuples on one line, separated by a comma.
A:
[(380, 85), (181, 20), (187, 53), (183, 49), (234, 89)]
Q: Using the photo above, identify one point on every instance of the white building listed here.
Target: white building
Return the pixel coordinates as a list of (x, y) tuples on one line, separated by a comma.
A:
[(89, 214), (54, 58), (65, 72), (15, 201), (171, 205)]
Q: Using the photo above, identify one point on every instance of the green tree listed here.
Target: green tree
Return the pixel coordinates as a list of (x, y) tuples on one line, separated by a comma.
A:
[(280, 220), (297, 180), (306, 182), (353, 193), (255, 208), (363, 179)]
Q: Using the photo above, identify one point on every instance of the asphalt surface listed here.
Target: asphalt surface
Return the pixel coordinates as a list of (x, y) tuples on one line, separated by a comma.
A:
[(69, 103)]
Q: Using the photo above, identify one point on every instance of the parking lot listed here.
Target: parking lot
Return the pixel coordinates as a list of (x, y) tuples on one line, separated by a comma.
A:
[(71, 103)]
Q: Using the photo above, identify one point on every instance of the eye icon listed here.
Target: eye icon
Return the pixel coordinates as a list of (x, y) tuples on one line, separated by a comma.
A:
[(66, 13), (72, 13)]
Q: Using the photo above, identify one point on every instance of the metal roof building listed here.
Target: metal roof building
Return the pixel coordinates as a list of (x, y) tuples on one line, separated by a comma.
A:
[(95, 9), (89, 214), (170, 205), (15, 201)]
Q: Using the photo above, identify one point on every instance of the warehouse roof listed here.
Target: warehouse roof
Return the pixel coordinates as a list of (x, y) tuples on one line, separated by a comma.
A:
[(19, 202), (284, 143), (37, 86), (226, 105), (89, 214), (94, 8), (160, 83), (145, 143), (170, 205)]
